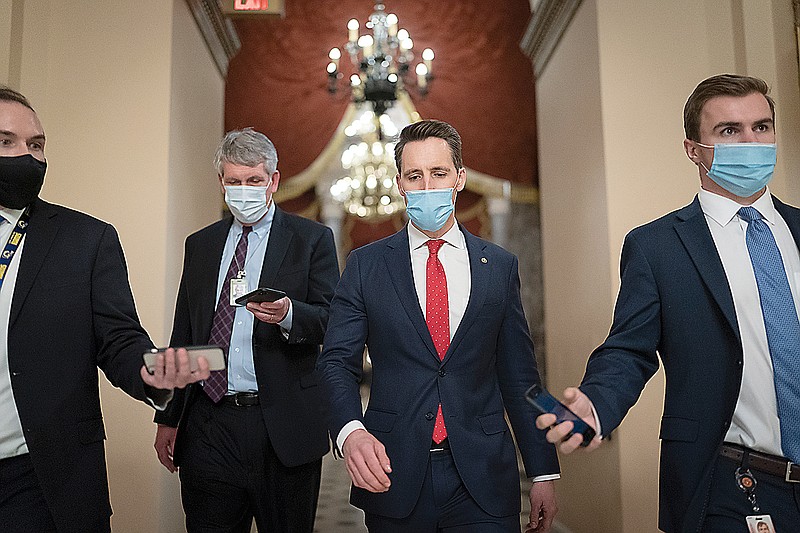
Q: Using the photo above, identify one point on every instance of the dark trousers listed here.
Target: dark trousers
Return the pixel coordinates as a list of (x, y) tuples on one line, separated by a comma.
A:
[(230, 474), (444, 506), (728, 506), (22, 505)]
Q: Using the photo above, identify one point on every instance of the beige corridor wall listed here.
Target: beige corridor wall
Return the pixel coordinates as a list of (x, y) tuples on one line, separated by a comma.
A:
[(132, 105), (610, 131)]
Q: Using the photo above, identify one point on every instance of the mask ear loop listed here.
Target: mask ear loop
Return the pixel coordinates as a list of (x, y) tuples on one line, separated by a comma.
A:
[(707, 146)]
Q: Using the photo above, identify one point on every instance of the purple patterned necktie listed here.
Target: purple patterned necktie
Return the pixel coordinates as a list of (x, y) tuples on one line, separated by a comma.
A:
[(217, 383)]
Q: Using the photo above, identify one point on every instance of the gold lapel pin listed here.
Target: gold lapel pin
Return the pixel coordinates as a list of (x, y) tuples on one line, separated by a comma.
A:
[(484, 260)]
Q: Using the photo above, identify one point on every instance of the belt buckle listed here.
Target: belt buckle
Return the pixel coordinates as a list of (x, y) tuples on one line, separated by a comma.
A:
[(236, 400), (788, 479)]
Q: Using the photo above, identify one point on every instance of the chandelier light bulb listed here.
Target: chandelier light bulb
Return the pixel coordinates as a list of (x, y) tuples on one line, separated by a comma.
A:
[(402, 35), (352, 30), (392, 78), (422, 76), (332, 68), (427, 57), (335, 54), (407, 44), (355, 80), (391, 21)]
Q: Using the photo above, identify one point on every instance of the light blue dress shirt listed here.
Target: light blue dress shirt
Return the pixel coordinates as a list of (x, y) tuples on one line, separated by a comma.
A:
[(241, 367)]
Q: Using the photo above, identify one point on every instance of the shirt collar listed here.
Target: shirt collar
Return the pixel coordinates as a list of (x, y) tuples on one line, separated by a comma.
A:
[(453, 237), (722, 210), (262, 227), (11, 215)]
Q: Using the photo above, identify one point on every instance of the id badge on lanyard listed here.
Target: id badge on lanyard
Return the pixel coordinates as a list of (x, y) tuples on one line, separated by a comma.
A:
[(238, 288)]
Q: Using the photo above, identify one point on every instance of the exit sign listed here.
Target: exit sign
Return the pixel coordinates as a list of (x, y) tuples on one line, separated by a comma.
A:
[(253, 7), (250, 5)]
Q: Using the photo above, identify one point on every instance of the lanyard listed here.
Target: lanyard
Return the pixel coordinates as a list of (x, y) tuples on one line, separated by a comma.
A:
[(13, 243)]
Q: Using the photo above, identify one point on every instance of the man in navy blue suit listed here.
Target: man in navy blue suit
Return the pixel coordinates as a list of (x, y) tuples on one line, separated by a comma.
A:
[(440, 312), (713, 289)]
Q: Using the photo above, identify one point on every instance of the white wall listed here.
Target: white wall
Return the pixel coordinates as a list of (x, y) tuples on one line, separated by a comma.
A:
[(610, 130), (132, 107)]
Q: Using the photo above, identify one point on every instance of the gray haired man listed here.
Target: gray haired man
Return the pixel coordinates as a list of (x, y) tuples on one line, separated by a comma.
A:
[(249, 441)]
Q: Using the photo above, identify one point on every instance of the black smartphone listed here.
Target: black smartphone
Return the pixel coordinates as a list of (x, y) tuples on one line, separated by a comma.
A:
[(545, 402), (263, 294)]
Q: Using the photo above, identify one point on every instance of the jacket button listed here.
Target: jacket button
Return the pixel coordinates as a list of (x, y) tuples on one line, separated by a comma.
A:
[(429, 416), (442, 373)]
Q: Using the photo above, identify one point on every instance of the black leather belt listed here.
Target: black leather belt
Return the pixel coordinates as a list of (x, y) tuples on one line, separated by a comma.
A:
[(771, 464), (442, 446), (241, 399)]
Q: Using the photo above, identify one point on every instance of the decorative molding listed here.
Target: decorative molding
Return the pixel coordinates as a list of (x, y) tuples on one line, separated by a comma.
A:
[(548, 22), (218, 32)]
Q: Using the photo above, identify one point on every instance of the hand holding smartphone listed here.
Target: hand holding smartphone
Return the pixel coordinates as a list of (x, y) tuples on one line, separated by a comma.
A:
[(545, 403), (213, 354), (263, 294)]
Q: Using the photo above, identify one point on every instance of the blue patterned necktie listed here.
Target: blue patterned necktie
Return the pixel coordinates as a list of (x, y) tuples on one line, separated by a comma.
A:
[(221, 328), (781, 323)]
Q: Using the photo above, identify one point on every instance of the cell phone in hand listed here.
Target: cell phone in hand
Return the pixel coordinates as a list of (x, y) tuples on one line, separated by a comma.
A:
[(213, 354), (546, 403), (263, 294)]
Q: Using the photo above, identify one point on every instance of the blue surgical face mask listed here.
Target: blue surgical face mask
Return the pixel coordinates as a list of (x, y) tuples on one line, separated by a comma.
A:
[(742, 168), (430, 209)]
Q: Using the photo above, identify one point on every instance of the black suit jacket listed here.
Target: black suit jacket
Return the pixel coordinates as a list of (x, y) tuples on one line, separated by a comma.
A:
[(483, 376), (300, 260), (72, 311), (675, 302)]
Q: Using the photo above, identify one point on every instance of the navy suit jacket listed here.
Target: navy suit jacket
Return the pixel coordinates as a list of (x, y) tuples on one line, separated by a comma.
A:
[(72, 311), (301, 261), (484, 374), (675, 302)]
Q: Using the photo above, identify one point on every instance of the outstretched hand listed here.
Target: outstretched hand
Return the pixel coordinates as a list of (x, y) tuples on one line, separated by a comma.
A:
[(173, 370)]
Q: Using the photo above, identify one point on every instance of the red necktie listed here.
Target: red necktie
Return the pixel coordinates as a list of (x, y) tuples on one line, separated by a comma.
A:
[(437, 316), (221, 328)]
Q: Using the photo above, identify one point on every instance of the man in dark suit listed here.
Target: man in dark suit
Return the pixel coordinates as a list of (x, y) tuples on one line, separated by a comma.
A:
[(65, 309), (250, 441), (440, 312), (713, 289)]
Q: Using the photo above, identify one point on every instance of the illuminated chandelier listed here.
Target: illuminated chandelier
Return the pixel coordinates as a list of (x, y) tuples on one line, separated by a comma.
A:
[(382, 62), (368, 191)]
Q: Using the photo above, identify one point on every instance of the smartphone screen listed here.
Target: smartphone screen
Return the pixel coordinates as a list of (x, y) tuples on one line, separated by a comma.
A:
[(545, 402)]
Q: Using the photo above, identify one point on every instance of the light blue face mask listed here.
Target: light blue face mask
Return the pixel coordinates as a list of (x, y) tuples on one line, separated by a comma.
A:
[(430, 209), (742, 168)]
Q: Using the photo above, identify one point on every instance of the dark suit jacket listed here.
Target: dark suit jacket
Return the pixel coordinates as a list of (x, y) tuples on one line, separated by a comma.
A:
[(486, 370), (72, 311), (300, 260), (674, 300)]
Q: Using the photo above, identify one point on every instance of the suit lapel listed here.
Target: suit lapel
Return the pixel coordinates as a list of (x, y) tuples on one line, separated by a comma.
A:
[(207, 275), (280, 237), (693, 231), (791, 216), (479, 269), (398, 264), (39, 237)]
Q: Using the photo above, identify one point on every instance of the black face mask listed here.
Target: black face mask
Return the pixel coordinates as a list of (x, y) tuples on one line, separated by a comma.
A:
[(21, 179)]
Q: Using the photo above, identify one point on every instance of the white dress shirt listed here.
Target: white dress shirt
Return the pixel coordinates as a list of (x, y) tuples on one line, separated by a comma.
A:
[(12, 439), (755, 421)]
